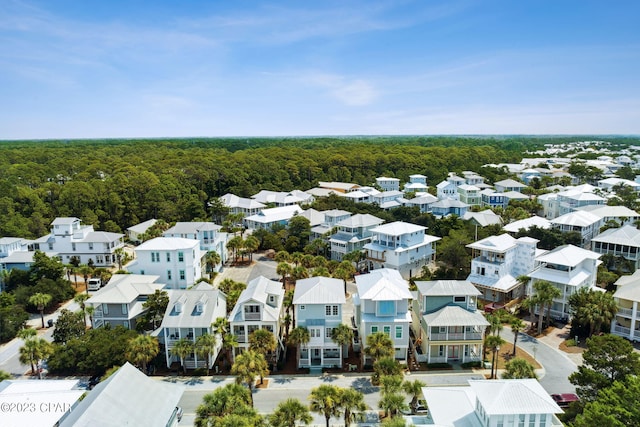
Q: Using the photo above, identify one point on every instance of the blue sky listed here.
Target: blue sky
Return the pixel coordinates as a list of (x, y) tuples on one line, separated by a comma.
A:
[(102, 69)]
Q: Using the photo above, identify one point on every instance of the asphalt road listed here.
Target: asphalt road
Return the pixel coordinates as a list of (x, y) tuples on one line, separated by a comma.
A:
[(556, 364)]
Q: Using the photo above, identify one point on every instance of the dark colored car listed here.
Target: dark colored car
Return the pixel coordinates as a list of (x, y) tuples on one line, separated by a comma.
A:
[(565, 399)]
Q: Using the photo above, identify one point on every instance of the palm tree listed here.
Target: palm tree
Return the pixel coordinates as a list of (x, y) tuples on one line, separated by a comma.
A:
[(385, 366), (517, 325), (251, 244), (205, 347), (229, 342), (282, 256), (289, 413), (231, 398), (263, 342), (342, 335), (392, 403), (284, 269), (247, 366), (80, 299), (325, 400), (86, 272), (390, 384), (605, 309), (41, 301), (414, 390), (212, 259), (493, 343), (34, 350), (120, 254), (351, 400), (379, 345), (519, 368), (182, 348), (299, 337), (235, 244), (141, 350), (546, 292)]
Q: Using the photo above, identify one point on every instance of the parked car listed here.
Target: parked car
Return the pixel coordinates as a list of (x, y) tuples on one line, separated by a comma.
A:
[(94, 284), (565, 399)]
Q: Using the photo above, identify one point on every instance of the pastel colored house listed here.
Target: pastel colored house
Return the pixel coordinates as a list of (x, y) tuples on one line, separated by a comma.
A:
[(121, 301), (177, 261), (353, 233), (382, 305), (446, 323), (568, 268), (318, 303), (259, 306), (70, 238), (498, 262), (190, 314), (401, 246), (626, 323)]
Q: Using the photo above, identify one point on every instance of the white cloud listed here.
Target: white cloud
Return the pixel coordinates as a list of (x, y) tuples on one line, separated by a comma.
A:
[(352, 92)]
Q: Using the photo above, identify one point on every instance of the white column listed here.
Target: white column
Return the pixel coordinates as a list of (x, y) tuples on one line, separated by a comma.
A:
[(634, 317)]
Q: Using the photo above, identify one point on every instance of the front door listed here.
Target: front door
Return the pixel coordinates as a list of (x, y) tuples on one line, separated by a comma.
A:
[(454, 352)]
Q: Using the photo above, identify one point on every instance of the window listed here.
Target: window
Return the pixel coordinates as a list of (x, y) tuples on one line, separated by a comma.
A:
[(180, 256), (374, 329), (331, 310), (168, 256), (387, 330), (182, 276), (386, 308), (169, 274), (398, 332)]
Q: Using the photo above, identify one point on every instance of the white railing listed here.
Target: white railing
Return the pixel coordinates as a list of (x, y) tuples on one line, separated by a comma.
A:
[(625, 311)]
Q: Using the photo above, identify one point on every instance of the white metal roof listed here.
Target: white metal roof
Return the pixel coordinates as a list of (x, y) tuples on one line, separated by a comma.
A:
[(527, 223), (446, 288), (577, 218), (568, 255), (168, 244), (521, 396), (627, 235), (319, 290), (398, 228), (258, 290), (128, 397), (501, 243), (182, 313), (453, 315), (382, 285)]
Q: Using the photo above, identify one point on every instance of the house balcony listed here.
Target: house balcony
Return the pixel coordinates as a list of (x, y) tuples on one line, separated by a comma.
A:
[(627, 312), (252, 316), (455, 336)]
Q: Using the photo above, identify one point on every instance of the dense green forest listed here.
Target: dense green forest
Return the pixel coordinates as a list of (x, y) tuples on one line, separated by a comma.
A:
[(114, 184)]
